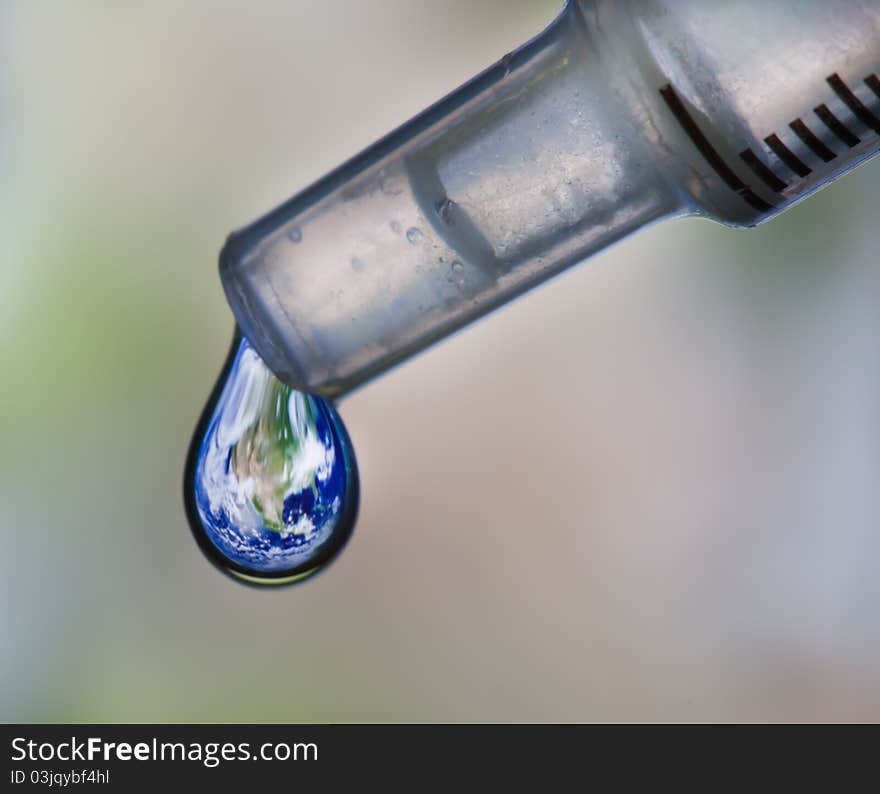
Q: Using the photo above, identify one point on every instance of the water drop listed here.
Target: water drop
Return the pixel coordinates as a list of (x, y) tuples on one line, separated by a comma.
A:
[(445, 208), (271, 484), (357, 264), (295, 234), (414, 235), (396, 227), (456, 274)]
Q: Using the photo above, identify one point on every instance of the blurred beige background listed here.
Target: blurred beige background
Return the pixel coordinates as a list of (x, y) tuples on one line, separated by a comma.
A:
[(647, 491)]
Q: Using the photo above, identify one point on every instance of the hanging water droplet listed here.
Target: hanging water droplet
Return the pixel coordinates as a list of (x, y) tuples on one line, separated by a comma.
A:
[(295, 234), (271, 484), (414, 235)]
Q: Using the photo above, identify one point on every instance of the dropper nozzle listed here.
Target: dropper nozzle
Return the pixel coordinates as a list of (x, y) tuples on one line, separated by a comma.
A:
[(605, 122)]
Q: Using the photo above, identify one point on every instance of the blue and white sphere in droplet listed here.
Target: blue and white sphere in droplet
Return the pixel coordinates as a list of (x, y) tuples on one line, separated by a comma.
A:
[(271, 482)]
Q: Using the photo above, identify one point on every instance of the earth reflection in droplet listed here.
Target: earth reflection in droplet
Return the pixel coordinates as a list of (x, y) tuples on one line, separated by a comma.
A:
[(271, 482)]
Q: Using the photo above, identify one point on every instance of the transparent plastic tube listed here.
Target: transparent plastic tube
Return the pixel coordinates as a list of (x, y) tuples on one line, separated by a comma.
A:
[(619, 114)]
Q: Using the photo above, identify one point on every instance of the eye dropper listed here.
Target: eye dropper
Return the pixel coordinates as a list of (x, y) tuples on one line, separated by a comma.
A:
[(620, 114)]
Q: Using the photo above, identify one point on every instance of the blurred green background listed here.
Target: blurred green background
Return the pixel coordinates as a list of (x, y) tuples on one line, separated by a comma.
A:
[(649, 490)]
